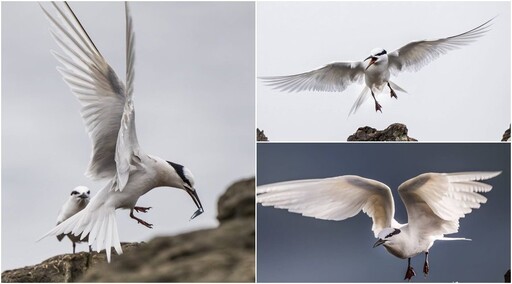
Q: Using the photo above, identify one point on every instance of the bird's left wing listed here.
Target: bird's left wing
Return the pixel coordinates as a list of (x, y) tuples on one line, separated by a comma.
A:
[(436, 201), (415, 55), (336, 198), (107, 107), (334, 77)]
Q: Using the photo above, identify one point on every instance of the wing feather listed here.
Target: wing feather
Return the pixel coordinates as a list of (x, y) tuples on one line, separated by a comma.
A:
[(107, 106), (415, 55), (335, 198), (334, 77), (438, 200)]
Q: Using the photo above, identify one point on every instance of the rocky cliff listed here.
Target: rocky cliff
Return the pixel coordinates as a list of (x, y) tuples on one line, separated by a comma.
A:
[(222, 254), (394, 132)]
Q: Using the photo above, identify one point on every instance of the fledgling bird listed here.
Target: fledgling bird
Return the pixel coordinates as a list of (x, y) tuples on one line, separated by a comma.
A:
[(76, 202), (109, 116), (337, 76), (434, 202)]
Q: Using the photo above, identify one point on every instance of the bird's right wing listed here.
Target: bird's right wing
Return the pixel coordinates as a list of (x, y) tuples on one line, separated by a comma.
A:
[(334, 77), (415, 55), (335, 198), (436, 201), (103, 96)]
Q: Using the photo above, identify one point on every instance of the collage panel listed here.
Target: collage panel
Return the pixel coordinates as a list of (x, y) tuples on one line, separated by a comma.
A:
[(333, 184), (403, 70), (156, 204)]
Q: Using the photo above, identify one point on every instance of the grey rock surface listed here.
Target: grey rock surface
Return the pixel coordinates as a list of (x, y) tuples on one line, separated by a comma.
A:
[(394, 132)]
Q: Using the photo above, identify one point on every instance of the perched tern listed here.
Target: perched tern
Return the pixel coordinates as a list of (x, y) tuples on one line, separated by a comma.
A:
[(434, 201), (376, 69), (109, 116), (76, 202)]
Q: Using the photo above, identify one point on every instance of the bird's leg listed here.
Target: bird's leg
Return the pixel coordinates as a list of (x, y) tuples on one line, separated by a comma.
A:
[(410, 272), (74, 246), (90, 249), (393, 94), (140, 221), (141, 209), (378, 107), (426, 268)]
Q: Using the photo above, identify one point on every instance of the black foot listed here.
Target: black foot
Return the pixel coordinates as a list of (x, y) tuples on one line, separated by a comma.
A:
[(141, 209), (378, 107), (140, 221), (393, 94), (426, 269), (409, 274)]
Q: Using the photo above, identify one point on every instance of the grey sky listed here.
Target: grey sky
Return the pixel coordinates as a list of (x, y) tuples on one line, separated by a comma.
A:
[(194, 97), (293, 248), (462, 96)]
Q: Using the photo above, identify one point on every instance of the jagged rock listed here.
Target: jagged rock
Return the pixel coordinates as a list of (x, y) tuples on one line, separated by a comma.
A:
[(222, 254), (394, 132), (506, 135), (260, 135), (61, 268)]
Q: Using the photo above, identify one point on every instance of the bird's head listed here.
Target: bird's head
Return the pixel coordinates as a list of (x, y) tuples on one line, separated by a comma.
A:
[(377, 55), (387, 236), (186, 182), (81, 194)]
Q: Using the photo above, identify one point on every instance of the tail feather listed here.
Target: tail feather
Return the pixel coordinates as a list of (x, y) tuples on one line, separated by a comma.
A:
[(396, 87), (99, 224), (360, 100), (453, 239)]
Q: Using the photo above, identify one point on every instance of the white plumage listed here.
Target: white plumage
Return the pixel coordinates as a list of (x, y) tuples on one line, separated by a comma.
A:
[(434, 201), (337, 76), (77, 201), (109, 116)]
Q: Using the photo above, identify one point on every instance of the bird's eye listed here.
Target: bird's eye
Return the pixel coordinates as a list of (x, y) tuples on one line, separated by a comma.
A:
[(88, 192), (396, 231), (74, 192)]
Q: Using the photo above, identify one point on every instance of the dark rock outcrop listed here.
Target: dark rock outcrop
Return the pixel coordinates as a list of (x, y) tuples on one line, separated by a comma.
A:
[(506, 135), (222, 254), (260, 135), (394, 132), (61, 268)]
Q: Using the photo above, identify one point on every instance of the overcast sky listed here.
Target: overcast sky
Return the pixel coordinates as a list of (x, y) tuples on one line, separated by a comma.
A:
[(462, 96), (293, 248), (194, 97)]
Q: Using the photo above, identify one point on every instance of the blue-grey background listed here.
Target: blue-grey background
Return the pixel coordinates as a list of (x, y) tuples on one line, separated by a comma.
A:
[(293, 248), (194, 101)]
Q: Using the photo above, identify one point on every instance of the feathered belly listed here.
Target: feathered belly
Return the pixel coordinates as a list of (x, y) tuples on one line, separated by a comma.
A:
[(376, 78)]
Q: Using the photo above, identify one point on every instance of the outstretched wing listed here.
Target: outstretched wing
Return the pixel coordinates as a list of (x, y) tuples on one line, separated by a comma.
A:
[(334, 77), (436, 201), (413, 56), (106, 103), (335, 198)]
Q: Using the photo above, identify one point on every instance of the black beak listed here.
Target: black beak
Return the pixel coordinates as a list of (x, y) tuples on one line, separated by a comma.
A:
[(193, 193), (83, 196), (379, 242), (373, 59)]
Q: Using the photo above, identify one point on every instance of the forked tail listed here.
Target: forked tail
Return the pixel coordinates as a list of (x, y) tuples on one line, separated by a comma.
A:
[(99, 224)]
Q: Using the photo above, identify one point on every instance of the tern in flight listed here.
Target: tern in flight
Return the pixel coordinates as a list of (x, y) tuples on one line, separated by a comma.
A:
[(434, 201), (109, 116), (336, 77)]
